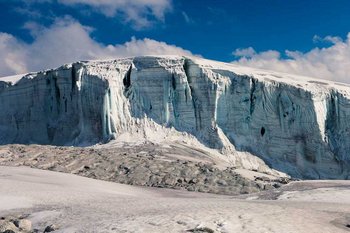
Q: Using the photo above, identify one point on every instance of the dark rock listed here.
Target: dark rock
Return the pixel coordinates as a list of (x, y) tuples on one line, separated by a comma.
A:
[(283, 180), (51, 228), (193, 181), (263, 178), (201, 229)]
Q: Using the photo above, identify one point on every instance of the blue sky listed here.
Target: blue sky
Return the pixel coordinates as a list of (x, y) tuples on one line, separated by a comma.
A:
[(256, 30)]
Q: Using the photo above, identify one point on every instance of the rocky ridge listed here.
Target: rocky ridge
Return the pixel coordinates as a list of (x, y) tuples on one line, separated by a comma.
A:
[(140, 165)]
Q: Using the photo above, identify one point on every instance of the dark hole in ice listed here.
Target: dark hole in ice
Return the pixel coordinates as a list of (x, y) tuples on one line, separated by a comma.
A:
[(65, 105), (127, 79), (173, 82), (262, 131), (310, 157)]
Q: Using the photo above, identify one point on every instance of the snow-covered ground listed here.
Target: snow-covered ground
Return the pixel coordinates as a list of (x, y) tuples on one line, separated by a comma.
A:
[(78, 204)]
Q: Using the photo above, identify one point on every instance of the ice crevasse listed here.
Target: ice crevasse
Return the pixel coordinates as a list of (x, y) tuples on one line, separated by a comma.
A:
[(298, 125)]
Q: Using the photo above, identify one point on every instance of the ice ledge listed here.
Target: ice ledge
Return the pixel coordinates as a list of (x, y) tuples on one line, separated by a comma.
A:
[(312, 84)]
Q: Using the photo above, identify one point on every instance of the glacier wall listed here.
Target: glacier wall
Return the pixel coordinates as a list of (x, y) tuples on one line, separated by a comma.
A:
[(298, 125)]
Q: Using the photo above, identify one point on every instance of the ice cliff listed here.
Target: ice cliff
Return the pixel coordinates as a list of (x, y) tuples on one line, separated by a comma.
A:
[(295, 124)]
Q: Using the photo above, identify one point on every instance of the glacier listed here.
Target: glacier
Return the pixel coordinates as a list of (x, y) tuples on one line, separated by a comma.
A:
[(298, 125)]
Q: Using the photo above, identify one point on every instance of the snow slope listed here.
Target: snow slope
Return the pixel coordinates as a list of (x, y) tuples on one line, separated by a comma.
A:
[(78, 204), (298, 125)]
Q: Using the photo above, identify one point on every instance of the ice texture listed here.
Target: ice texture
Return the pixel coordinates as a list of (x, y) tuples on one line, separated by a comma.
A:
[(297, 125)]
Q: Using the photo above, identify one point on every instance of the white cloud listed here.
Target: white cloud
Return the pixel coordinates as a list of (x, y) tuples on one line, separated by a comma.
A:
[(187, 18), (332, 63), (11, 54), (331, 39), (140, 13), (246, 52), (68, 41)]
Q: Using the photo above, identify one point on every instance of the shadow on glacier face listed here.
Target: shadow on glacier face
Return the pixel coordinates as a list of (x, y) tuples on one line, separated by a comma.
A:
[(48, 108), (179, 98), (278, 123), (275, 121)]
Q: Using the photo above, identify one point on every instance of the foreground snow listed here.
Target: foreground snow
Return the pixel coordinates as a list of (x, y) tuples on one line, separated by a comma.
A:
[(78, 204)]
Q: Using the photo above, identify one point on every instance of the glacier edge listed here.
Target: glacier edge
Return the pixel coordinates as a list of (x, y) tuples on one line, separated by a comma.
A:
[(297, 125)]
